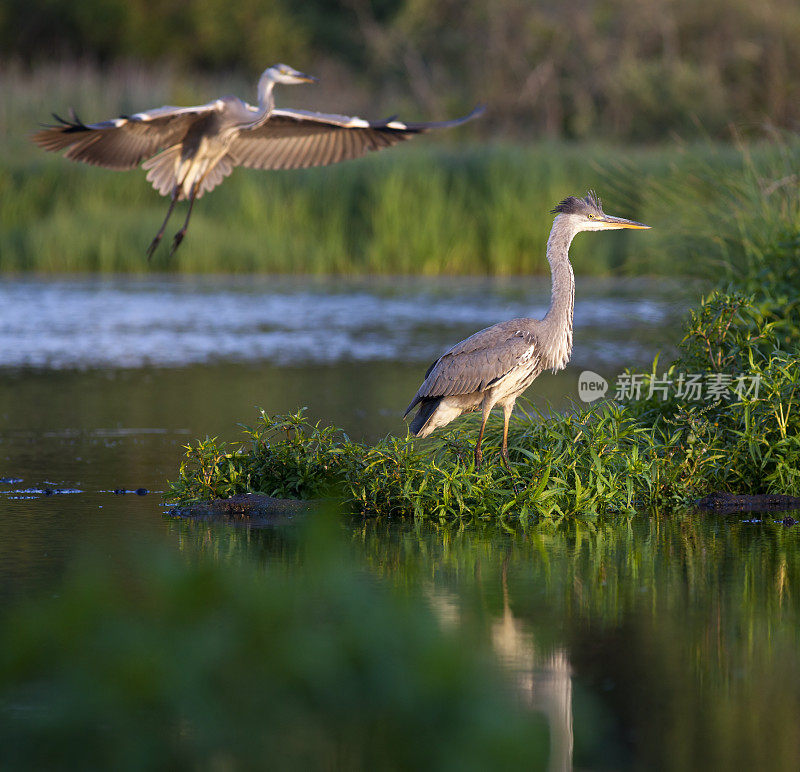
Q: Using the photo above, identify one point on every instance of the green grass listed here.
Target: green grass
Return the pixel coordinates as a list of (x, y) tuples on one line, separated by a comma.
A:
[(423, 208)]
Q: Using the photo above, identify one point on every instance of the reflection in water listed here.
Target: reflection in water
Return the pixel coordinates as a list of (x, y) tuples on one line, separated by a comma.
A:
[(543, 681), (650, 643)]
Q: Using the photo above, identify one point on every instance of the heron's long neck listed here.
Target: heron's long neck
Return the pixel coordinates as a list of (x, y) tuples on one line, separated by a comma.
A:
[(265, 99), (557, 323)]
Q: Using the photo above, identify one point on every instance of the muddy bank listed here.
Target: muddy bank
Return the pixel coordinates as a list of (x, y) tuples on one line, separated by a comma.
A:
[(260, 509)]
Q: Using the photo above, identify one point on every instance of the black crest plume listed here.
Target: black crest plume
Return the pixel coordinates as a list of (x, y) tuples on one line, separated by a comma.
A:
[(575, 205)]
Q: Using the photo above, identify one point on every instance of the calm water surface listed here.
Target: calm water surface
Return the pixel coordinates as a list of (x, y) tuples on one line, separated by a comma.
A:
[(653, 642)]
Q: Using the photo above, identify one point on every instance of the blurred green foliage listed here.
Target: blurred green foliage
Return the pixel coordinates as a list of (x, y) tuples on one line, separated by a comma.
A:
[(207, 33), (416, 210), (183, 662), (630, 69)]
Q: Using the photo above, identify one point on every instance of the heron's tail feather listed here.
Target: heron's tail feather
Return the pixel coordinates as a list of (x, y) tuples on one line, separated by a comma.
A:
[(419, 425), (164, 170), (161, 170), (215, 175)]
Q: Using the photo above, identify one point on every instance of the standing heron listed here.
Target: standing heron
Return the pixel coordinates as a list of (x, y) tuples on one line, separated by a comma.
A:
[(494, 366), (190, 150)]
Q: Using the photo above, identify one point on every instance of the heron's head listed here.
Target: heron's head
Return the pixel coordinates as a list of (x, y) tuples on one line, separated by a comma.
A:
[(586, 214), (283, 73)]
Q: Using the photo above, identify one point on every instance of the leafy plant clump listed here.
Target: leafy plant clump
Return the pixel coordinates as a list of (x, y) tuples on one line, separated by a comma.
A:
[(610, 457)]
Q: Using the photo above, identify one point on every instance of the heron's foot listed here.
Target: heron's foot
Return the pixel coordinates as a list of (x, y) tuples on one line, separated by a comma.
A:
[(153, 246), (176, 242), (478, 457)]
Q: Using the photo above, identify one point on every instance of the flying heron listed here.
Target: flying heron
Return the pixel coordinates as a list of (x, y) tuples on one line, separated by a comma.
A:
[(188, 151), (494, 366)]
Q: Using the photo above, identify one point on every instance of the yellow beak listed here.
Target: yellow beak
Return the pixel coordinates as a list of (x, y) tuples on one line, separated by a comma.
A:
[(619, 222)]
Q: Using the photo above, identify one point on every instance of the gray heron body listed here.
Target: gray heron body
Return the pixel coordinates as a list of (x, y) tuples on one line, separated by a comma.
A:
[(494, 366), (188, 151)]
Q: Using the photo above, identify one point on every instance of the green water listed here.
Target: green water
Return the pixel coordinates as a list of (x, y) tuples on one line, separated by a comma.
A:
[(654, 642), (650, 642)]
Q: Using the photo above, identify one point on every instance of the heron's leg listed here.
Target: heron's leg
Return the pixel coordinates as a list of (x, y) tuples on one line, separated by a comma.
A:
[(155, 242), (176, 242), (478, 451), (507, 410)]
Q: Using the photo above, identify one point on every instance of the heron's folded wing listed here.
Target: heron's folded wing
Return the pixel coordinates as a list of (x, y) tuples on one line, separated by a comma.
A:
[(297, 139), (478, 362), (120, 143)]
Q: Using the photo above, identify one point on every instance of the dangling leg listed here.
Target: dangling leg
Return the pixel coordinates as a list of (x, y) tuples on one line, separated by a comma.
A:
[(155, 242), (176, 242)]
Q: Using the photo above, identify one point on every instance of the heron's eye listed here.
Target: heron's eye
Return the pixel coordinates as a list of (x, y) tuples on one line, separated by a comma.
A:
[(592, 216)]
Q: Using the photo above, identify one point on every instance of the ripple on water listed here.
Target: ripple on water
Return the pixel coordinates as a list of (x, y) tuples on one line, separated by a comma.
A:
[(130, 322)]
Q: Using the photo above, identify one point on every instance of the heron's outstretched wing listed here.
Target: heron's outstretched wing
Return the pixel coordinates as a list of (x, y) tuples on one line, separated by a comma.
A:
[(120, 143), (479, 361), (297, 139)]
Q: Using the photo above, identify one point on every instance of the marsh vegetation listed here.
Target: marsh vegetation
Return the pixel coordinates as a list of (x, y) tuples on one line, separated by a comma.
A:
[(430, 208), (584, 462)]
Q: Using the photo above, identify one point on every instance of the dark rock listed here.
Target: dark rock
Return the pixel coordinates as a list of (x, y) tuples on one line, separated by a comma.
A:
[(730, 503), (119, 491), (246, 508), (141, 491)]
